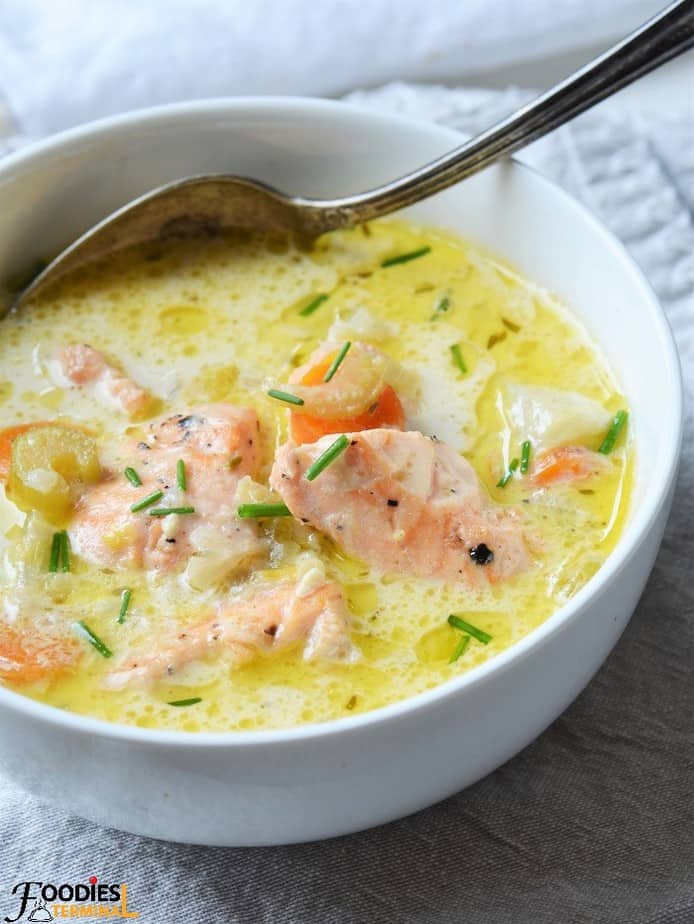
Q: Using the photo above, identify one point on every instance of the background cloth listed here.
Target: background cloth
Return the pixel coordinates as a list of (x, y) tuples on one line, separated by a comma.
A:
[(68, 61), (593, 823)]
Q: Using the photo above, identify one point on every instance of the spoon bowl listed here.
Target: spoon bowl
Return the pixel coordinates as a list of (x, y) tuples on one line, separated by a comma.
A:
[(194, 205)]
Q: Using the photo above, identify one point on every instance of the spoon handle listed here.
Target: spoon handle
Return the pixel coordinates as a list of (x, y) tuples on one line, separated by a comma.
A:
[(658, 40)]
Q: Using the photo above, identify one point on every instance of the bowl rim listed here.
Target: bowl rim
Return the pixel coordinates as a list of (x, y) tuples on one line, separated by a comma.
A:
[(628, 543)]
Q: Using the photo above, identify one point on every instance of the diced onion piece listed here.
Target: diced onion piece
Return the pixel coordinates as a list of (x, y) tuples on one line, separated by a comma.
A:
[(249, 491), (354, 387)]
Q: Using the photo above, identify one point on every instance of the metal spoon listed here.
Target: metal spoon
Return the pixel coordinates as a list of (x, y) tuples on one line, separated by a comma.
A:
[(217, 201)]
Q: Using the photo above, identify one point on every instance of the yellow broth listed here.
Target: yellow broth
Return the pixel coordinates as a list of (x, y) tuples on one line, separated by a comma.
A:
[(216, 319)]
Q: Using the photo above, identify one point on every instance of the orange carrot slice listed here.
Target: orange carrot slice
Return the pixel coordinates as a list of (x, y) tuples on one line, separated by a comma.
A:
[(567, 463)]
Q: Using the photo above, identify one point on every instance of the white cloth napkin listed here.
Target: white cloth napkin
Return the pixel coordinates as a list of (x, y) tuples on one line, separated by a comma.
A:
[(68, 61), (591, 823)]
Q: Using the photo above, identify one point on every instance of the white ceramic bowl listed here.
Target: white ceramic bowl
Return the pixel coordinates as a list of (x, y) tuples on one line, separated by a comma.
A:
[(321, 780)]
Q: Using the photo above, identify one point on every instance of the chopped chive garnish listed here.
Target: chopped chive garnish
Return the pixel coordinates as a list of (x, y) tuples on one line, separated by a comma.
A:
[(525, 457), (132, 477), (496, 338), (147, 501), (93, 639), (124, 604), (405, 257), (459, 623), (504, 480), (458, 358), (60, 553), (329, 456), (193, 701), (285, 396), (335, 364), (181, 479), (237, 460), (441, 307), (54, 560), (612, 435), (167, 511), (460, 648), (314, 305), (256, 511), (64, 552)]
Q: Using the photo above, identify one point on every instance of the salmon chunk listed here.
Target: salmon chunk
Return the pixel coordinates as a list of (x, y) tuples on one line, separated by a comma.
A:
[(404, 503), (216, 445), (82, 365), (307, 611)]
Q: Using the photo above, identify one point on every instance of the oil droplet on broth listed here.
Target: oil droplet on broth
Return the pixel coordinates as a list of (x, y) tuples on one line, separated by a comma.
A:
[(182, 321), (437, 644)]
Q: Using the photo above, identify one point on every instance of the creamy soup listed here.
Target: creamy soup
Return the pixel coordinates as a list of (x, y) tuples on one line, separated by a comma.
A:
[(250, 485)]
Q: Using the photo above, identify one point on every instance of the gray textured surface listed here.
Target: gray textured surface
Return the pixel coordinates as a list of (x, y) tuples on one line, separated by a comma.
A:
[(591, 824)]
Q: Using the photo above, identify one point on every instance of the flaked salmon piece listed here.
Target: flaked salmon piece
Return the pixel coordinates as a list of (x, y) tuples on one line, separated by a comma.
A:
[(82, 365), (404, 503), (566, 464), (218, 445), (36, 656), (292, 612)]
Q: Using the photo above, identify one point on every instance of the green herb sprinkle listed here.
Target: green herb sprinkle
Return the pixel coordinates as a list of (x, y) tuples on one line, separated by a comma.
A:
[(464, 626), (314, 305), (132, 477), (335, 364), (125, 598), (260, 511), (405, 257), (612, 435), (93, 639), (504, 480), (147, 501), (285, 396), (327, 458)]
